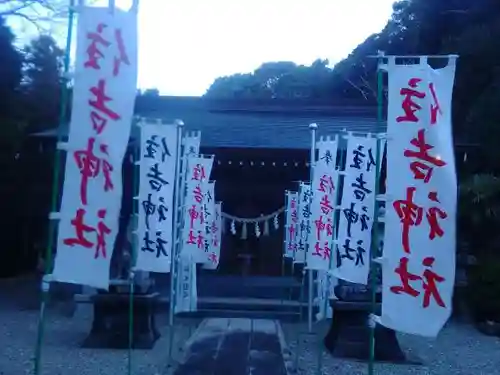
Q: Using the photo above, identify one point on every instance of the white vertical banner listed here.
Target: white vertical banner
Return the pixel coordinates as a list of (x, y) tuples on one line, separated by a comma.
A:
[(198, 174), (304, 225), (356, 210), (215, 238), (324, 190), (156, 196), (208, 212), (186, 295), (419, 254), (104, 92), (326, 284), (186, 287), (291, 223), (191, 143)]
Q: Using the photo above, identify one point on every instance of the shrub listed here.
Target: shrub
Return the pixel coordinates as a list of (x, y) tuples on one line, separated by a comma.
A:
[(479, 235)]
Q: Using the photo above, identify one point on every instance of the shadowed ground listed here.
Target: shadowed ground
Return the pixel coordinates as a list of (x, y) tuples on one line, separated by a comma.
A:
[(237, 346)]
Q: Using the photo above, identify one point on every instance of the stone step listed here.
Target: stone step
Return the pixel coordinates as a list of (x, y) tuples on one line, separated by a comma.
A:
[(238, 287), (230, 304), (251, 314), (247, 304)]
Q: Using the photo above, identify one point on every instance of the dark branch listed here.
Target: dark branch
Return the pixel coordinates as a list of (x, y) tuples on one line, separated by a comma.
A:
[(36, 12)]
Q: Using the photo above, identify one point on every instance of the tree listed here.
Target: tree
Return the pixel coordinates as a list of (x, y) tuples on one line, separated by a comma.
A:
[(468, 28), (41, 16), (43, 68), (478, 220), (151, 92), (10, 71), (11, 132), (275, 80), (37, 13)]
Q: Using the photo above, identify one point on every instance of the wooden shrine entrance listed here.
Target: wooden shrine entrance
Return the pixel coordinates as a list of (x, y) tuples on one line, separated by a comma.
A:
[(251, 183)]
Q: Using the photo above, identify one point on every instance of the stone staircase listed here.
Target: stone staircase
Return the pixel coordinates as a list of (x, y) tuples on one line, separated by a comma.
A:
[(256, 297)]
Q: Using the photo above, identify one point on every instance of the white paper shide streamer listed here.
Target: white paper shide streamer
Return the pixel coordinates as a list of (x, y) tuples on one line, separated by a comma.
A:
[(324, 190), (291, 223), (304, 224), (419, 254), (104, 92), (355, 220), (156, 196)]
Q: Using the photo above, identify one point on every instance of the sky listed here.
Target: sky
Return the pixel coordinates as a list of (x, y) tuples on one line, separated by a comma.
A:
[(185, 44)]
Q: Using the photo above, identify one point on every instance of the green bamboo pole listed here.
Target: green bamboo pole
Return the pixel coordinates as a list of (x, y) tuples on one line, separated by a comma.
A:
[(181, 175), (301, 317), (55, 192), (310, 274), (133, 251), (374, 241), (131, 322)]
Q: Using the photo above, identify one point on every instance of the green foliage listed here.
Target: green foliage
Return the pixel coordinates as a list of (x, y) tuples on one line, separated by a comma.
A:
[(151, 92), (480, 198), (275, 80), (468, 28), (479, 220), (10, 72), (43, 66), (30, 81), (484, 289), (29, 88)]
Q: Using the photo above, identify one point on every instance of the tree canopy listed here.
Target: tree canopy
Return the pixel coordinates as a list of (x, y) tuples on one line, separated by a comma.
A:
[(10, 72), (276, 80), (43, 65), (30, 80), (469, 28), (40, 14)]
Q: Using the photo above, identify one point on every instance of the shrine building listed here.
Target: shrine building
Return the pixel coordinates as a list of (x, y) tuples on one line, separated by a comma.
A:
[(261, 149)]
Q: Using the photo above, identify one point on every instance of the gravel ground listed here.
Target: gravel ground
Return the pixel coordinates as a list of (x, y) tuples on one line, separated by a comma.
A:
[(458, 350), (62, 354)]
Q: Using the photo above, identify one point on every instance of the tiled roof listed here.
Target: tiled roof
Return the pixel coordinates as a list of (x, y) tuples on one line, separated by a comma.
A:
[(256, 125)]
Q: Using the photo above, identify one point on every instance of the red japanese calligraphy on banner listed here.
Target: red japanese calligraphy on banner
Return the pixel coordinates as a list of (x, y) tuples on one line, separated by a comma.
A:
[(81, 229), (323, 203), (91, 166), (291, 224), (419, 258), (103, 97), (196, 240), (215, 237), (410, 106)]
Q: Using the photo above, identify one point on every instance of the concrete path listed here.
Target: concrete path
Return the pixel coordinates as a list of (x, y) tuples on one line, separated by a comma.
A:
[(235, 346)]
